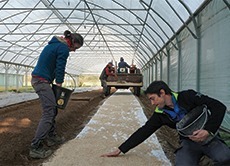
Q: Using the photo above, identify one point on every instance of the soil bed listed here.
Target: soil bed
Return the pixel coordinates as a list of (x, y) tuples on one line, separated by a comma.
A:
[(19, 122)]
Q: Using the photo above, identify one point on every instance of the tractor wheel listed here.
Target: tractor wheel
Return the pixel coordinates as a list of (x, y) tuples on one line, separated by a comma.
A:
[(137, 91), (107, 91)]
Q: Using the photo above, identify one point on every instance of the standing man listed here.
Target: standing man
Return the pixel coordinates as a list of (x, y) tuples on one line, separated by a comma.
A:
[(107, 71), (170, 109), (122, 66), (51, 65)]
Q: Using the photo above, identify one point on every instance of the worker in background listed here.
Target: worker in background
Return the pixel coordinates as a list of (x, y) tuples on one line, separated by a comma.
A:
[(123, 66), (133, 68), (107, 71), (50, 66), (170, 108)]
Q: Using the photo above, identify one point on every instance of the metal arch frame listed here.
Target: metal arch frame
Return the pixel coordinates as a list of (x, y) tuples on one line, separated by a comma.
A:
[(168, 26), (118, 31), (152, 39), (118, 36), (99, 29), (26, 48), (100, 51), (191, 15), (13, 16), (43, 42), (142, 30), (141, 42), (14, 52), (162, 29), (147, 46), (184, 23), (131, 24), (58, 15), (143, 58), (12, 44), (142, 34), (144, 61), (140, 61), (12, 31), (6, 50), (141, 1), (227, 4), (156, 43), (24, 18), (39, 28), (18, 54), (115, 23), (17, 64), (4, 3), (17, 27), (94, 35), (46, 4), (121, 19), (144, 21)]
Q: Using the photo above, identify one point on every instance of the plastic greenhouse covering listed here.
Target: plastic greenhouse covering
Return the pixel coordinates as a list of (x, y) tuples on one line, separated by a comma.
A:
[(183, 42)]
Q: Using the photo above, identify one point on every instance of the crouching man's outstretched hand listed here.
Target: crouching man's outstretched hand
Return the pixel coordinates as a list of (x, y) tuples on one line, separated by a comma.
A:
[(114, 153)]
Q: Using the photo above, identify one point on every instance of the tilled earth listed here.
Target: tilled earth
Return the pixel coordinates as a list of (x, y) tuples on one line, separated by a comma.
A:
[(19, 122)]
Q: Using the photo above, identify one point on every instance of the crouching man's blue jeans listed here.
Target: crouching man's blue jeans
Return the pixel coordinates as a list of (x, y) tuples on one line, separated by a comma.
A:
[(190, 152)]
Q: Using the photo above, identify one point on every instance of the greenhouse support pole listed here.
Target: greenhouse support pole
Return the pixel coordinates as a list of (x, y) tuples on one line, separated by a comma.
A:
[(153, 71), (198, 54), (161, 65), (156, 69), (149, 78), (17, 68), (26, 77), (168, 66), (179, 67), (17, 80), (7, 67)]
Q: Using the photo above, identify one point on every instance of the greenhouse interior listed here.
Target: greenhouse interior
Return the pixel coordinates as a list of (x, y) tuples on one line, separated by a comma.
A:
[(185, 43)]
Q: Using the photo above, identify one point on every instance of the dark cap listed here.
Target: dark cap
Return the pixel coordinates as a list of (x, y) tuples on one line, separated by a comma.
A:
[(111, 63)]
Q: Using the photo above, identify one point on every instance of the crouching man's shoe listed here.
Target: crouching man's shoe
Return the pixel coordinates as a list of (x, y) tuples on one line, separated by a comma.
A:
[(39, 152), (54, 140)]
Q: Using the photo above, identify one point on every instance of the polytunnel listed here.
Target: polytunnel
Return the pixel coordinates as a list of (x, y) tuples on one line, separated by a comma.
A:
[(183, 42)]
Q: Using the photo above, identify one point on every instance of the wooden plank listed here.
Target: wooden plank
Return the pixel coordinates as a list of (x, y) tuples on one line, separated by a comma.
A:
[(81, 98)]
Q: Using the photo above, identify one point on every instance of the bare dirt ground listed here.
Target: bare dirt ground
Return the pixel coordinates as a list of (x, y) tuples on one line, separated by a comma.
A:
[(19, 122)]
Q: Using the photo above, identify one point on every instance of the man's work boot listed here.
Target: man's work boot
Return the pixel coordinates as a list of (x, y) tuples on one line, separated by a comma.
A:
[(54, 140), (39, 152)]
